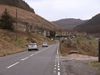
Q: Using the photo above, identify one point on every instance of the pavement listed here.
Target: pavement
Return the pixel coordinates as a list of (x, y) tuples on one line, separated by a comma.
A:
[(43, 62)]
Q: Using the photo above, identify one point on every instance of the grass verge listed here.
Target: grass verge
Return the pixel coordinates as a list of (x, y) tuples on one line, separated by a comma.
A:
[(95, 64), (82, 44)]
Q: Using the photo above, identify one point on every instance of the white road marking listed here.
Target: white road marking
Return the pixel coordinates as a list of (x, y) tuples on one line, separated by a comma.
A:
[(58, 69), (13, 65), (58, 62), (31, 55), (25, 58), (58, 66), (58, 73)]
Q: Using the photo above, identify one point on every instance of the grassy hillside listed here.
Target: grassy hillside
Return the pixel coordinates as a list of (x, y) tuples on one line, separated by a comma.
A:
[(10, 45), (27, 17), (82, 44)]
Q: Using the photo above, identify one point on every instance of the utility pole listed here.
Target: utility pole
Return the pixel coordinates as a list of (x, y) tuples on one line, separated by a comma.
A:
[(16, 25), (99, 51), (28, 31)]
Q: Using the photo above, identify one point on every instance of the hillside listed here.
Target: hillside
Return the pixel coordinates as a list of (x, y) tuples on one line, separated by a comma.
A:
[(91, 26), (8, 42), (68, 23), (10, 45), (17, 3), (27, 18)]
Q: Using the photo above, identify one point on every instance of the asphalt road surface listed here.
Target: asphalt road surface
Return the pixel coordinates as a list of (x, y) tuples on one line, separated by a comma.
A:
[(42, 62)]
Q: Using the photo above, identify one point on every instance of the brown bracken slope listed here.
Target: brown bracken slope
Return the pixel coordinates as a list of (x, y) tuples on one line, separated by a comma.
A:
[(8, 42), (24, 16)]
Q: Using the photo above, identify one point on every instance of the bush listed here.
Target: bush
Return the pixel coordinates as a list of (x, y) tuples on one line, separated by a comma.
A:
[(6, 21)]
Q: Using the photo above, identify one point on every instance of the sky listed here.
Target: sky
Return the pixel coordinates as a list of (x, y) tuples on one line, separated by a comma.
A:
[(60, 9)]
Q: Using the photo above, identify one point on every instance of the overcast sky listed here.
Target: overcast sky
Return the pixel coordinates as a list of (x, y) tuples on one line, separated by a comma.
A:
[(58, 9)]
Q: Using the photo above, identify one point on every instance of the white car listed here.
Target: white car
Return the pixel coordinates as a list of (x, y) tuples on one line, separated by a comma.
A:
[(45, 44), (32, 46)]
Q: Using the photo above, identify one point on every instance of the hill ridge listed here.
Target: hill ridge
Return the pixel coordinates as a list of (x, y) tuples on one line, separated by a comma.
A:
[(91, 26), (17, 3), (68, 23)]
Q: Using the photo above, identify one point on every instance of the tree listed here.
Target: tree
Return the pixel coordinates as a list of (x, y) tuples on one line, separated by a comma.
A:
[(6, 21), (52, 34)]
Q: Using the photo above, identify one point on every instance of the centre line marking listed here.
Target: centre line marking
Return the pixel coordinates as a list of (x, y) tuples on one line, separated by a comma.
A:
[(58, 73), (13, 65), (58, 69), (58, 66), (25, 58), (31, 54), (34, 54)]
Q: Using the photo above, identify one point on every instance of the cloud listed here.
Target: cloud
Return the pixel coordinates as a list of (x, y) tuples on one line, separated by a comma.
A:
[(56, 9)]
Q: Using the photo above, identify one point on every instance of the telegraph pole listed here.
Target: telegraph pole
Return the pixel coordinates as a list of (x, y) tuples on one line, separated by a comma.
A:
[(16, 25)]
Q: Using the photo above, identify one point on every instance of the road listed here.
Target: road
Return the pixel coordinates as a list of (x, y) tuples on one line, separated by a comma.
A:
[(42, 62)]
